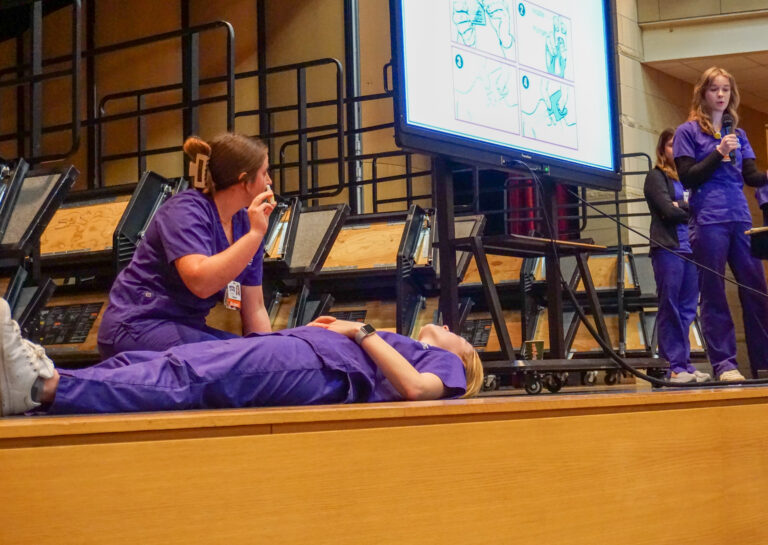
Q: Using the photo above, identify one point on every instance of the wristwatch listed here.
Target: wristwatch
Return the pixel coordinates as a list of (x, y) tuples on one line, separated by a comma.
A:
[(363, 332)]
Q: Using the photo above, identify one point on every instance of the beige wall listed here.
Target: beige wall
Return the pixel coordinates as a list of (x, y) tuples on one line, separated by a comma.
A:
[(663, 10)]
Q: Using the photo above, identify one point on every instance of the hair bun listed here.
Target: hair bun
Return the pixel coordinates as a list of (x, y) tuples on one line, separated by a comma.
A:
[(195, 145)]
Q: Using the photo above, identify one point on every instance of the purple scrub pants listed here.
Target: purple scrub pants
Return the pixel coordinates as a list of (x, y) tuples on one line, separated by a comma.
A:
[(203, 376), (713, 246), (159, 335), (678, 291)]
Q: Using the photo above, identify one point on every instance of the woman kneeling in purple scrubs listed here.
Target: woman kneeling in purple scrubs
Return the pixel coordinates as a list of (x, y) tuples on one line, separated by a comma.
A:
[(328, 361), (200, 248)]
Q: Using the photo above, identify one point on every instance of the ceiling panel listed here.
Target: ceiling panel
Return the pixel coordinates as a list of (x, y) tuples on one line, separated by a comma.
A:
[(750, 71)]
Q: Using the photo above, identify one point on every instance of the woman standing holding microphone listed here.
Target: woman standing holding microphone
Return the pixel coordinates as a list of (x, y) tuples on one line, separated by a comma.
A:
[(203, 245), (714, 159)]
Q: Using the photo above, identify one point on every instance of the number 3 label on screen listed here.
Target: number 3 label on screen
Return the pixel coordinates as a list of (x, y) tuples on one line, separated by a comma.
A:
[(232, 296)]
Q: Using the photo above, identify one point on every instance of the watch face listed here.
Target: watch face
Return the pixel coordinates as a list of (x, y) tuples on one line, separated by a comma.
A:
[(368, 329)]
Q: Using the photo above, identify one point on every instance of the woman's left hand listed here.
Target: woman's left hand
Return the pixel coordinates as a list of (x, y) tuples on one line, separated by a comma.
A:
[(345, 327)]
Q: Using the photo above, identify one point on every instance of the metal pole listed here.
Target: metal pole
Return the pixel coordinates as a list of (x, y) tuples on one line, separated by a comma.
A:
[(94, 180), (354, 115), (261, 46), (36, 87), (190, 75), (442, 189)]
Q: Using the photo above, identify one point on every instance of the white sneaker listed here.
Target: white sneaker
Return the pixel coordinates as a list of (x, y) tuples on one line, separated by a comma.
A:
[(21, 363), (731, 376), (702, 377), (682, 377)]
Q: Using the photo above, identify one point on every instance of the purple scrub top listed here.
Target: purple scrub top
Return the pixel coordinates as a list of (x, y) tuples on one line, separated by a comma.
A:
[(150, 287), (720, 199), (339, 353)]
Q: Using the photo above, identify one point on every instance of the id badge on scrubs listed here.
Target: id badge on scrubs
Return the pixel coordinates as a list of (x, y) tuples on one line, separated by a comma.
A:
[(232, 296)]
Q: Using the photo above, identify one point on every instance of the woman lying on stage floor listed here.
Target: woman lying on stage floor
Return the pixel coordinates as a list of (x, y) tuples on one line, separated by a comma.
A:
[(329, 361)]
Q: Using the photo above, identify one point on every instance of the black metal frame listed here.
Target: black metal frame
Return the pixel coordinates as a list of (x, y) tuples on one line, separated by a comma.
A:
[(31, 72)]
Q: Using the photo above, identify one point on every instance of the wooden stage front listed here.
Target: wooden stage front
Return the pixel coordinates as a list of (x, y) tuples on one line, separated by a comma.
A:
[(672, 467)]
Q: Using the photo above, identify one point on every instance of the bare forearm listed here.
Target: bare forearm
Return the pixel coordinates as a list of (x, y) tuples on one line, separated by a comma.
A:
[(409, 383), (211, 274), (256, 321)]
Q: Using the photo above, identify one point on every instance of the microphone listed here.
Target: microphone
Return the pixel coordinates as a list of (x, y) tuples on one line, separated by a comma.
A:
[(728, 129)]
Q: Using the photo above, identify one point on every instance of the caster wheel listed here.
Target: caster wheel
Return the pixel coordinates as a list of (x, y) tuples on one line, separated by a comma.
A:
[(532, 384), (554, 382), (589, 378), (611, 377), (491, 382)]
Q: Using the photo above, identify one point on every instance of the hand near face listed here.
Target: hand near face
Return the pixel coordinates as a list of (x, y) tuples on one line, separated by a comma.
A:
[(345, 327), (259, 211)]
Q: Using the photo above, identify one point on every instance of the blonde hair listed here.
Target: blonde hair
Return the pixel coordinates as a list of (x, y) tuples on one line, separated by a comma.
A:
[(699, 111), (473, 368), (229, 155), (662, 163)]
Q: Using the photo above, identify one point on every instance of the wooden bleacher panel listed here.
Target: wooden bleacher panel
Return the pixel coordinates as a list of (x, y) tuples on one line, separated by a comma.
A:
[(695, 339), (426, 315), (514, 328), (504, 269), (83, 228), (380, 314), (4, 282), (585, 343), (365, 246), (603, 270), (282, 314)]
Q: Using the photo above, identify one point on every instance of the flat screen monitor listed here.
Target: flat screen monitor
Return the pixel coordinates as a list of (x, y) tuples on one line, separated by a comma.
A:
[(494, 82)]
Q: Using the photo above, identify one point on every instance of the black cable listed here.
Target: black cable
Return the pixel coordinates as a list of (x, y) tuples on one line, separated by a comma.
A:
[(621, 362), (670, 250)]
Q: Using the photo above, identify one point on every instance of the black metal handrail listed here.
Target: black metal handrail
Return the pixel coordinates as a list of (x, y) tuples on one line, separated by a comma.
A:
[(32, 74)]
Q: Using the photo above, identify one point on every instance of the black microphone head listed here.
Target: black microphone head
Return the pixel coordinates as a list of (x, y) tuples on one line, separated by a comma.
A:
[(727, 123)]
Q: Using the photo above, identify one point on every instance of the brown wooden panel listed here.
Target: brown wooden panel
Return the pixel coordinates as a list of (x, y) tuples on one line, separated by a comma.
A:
[(284, 312), (4, 281), (603, 270), (380, 314), (366, 247), (426, 315), (514, 328), (503, 269), (412, 481), (82, 228), (584, 342)]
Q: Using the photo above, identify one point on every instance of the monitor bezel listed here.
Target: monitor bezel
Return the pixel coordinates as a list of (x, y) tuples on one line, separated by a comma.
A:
[(486, 154)]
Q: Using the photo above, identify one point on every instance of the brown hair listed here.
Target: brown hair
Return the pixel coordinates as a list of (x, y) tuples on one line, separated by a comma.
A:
[(699, 111), (229, 156), (473, 368), (666, 166)]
